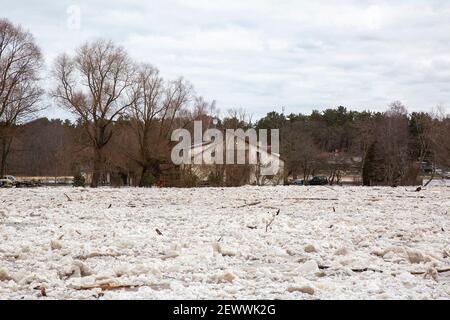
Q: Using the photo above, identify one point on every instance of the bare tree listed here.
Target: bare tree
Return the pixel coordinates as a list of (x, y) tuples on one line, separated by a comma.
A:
[(20, 63), (395, 139), (237, 118), (364, 135), (389, 159), (153, 114), (96, 85)]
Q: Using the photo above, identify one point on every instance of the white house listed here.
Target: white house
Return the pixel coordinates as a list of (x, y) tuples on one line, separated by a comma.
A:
[(252, 173)]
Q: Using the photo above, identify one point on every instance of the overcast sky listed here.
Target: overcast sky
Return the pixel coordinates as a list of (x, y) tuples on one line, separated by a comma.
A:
[(266, 54)]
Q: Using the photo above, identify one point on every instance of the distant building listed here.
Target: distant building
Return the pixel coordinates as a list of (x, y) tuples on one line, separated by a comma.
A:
[(235, 174)]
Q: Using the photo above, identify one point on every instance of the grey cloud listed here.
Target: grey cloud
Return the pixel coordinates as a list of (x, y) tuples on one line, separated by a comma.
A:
[(263, 55)]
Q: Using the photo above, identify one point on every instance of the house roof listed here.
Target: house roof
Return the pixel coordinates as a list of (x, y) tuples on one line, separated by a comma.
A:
[(208, 146)]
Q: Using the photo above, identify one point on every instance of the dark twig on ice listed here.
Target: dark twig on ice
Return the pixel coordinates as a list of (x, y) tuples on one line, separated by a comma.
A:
[(313, 199), (250, 204), (68, 198), (367, 270), (418, 273), (357, 270), (415, 273), (272, 220), (158, 232)]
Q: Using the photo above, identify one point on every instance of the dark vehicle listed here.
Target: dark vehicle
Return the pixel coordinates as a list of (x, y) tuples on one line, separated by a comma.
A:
[(318, 181)]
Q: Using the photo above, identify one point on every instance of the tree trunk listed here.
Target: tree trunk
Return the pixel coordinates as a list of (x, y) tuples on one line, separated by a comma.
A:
[(6, 146), (143, 176), (431, 179), (98, 168), (294, 174), (2, 165), (156, 169), (306, 177)]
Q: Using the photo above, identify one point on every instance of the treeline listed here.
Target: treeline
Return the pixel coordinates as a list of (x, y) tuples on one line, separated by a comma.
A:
[(126, 113), (384, 148), (389, 148)]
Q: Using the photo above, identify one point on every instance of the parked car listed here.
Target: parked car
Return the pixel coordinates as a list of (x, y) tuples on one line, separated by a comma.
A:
[(5, 183), (297, 182), (318, 181), (11, 178)]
